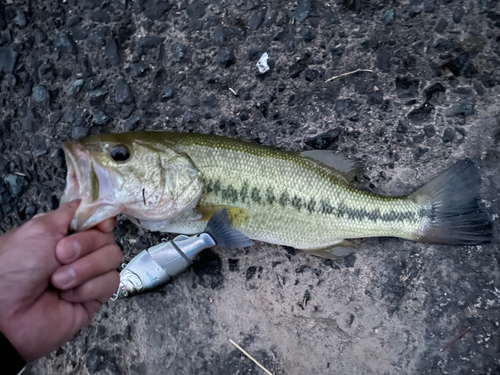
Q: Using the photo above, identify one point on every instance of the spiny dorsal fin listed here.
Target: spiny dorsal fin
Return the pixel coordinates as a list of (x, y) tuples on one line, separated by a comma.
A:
[(348, 168), (340, 250)]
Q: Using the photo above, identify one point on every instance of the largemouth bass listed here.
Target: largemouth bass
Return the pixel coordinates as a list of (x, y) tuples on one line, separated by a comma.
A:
[(174, 182)]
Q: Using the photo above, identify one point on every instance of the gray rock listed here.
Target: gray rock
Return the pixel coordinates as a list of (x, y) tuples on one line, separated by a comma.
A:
[(389, 17), (178, 51), (8, 58), (20, 19), (225, 58), (123, 92), (39, 146), (166, 93), (16, 184), (66, 44), (463, 109), (257, 19), (302, 11), (100, 118), (40, 95), (96, 97), (75, 87)]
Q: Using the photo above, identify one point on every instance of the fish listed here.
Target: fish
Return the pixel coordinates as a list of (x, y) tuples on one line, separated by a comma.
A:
[(158, 265), (174, 182)]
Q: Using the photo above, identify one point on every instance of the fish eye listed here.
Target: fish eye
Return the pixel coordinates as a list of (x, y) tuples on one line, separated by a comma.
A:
[(120, 153)]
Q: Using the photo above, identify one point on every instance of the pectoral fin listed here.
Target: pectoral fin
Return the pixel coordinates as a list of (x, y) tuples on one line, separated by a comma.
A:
[(348, 168), (340, 250), (237, 216)]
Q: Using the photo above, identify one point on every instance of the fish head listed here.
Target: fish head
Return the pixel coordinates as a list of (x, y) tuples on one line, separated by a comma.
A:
[(133, 174), (130, 285)]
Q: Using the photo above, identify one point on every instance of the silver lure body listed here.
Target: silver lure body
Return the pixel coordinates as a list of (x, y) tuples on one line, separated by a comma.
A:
[(157, 265)]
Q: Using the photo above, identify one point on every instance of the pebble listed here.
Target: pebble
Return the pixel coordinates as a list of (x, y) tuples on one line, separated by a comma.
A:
[(100, 118), (196, 9), (10, 79), (16, 184), (464, 108), (325, 140), (20, 20), (460, 64), (302, 11), (150, 41), (225, 58), (178, 51), (96, 97), (257, 19), (434, 90), (8, 58), (448, 135), (430, 131), (166, 93), (39, 146), (132, 121), (458, 14), (40, 95), (79, 132), (75, 87), (99, 360), (65, 44), (389, 17), (219, 36), (421, 114), (56, 157), (138, 70), (295, 69), (384, 60), (111, 49), (123, 92), (441, 26), (40, 36)]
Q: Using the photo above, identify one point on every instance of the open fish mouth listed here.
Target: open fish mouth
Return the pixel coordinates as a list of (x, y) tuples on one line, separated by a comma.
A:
[(91, 183)]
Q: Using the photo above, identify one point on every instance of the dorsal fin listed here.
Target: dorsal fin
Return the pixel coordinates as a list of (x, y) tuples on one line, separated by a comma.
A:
[(348, 168)]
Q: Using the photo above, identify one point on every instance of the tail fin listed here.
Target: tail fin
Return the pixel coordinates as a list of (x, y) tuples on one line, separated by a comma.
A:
[(219, 227), (452, 202)]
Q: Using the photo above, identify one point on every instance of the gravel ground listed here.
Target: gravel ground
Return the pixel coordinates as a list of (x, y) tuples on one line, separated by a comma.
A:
[(76, 67)]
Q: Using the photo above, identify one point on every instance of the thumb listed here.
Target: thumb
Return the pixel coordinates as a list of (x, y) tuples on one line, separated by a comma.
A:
[(62, 217)]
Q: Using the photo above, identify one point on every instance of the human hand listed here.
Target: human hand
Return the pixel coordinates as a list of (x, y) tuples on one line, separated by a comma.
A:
[(52, 283)]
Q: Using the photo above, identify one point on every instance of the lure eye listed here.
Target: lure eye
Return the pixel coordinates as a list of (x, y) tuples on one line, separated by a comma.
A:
[(120, 153)]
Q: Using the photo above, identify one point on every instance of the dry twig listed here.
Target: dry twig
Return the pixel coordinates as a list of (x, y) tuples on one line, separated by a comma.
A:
[(348, 74), (249, 356), (458, 337)]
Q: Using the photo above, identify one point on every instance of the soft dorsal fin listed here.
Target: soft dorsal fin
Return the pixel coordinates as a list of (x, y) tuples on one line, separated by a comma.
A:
[(340, 250), (348, 168)]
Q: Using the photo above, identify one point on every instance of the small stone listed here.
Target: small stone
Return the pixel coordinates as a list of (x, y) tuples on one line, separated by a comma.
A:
[(441, 25), (384, 60), (20, 20), (219, 36), (311, 74), (111, 49), (225, 58), (402, 127), (458, 14), (196, 9), (302, 11), (145, 101), (66, 44), (79, 33), (459, 65), (30, 210), (56, 157), (479, 88), (420, 152), (295, 69), (10, 79), (389, 17), (291, 100), (40, 36), (73, 21), (257, 19), (100, 118), (429, 6), (100, 16), (325, 140), (166, 93), (40, 95), (138, 70), (463, 109), (39, 146), (96, 97), (407, 87), (448, 135), (434, 90), (421, 114), (430, 131), (75, 87), (234, 265), (154, 9), (132, 121), (287, 37), (16, 184), (79, 133), (251, 271), (98, 360), (123, 92), (150, 41), (8, 58), (178, 51)]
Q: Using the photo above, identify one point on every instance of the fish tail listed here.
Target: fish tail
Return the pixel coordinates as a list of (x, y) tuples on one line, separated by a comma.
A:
[(219, 228), (451, 208)]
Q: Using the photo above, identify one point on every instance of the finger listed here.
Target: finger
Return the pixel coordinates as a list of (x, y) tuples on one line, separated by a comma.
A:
[(81, 244), (107, 225), (99, 262), (63, 216), (99, 288)]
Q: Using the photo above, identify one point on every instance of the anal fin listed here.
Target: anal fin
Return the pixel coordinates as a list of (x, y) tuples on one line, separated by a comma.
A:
[(338, 251)]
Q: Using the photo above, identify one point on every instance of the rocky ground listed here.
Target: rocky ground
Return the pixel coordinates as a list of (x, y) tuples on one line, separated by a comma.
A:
[(76, 67)]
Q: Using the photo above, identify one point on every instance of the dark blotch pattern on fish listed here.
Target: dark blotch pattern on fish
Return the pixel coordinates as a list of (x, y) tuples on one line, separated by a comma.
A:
[(229, 193)]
